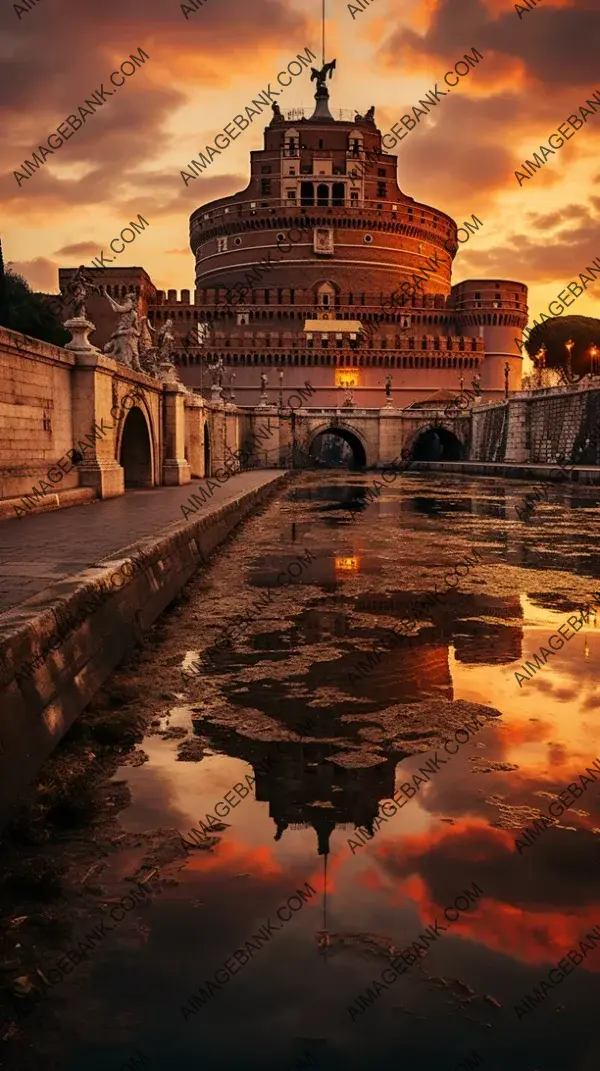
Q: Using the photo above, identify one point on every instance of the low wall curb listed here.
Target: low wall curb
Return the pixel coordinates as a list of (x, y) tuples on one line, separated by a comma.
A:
[(39, 704)]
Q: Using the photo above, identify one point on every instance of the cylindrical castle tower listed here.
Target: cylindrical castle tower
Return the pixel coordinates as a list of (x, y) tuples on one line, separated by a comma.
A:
[(295, 273), (497, 312)]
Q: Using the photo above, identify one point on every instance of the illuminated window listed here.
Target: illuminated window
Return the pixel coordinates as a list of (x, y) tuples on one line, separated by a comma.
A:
[(346, 377)]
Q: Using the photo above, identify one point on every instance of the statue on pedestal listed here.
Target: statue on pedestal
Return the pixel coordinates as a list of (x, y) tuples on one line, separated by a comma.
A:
[(123, 344), (76, 291), (388, 389), (216, 372), (156, 347), (321, 77)]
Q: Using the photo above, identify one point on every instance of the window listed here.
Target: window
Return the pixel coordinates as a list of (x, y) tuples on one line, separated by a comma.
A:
[(320, 143), (368, 240), (381, 172), (265, 187), (291, 195), (356, 146), (221, 245), (265, 170), (477, 295), (354, 196), (498, 296), (292, 170), (382, 189), (237, 241)]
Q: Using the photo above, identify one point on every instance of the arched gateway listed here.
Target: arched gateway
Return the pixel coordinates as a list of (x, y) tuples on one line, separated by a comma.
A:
[(136, 451)]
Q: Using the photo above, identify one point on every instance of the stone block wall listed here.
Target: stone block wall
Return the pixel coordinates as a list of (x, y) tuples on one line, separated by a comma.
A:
[(490, 432), (565, 425), (537, 427), (36, 422)]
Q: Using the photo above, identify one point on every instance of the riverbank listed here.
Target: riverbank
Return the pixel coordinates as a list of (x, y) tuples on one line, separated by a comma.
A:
[(59, 646), (508, 470)]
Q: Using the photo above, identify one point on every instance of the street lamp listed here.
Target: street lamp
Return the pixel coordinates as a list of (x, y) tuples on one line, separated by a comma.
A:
[(594, 359), (541, 363), (569, 348)]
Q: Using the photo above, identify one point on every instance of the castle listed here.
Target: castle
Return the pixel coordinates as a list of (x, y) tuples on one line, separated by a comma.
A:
[(292, 274)]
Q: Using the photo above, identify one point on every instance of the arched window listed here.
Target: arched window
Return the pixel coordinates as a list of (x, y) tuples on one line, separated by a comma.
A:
[(322, 194)]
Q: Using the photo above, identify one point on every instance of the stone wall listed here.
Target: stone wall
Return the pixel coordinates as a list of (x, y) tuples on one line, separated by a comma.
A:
[(36, 418), (539, 427), (490, 432), (565, 425)]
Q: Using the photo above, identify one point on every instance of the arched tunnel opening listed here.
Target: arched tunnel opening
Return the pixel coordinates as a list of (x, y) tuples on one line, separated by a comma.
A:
[(437, 444), (337, 448)]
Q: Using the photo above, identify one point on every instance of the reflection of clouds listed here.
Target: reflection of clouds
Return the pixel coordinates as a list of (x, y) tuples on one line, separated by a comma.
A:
[(534, 908), (230, 856)]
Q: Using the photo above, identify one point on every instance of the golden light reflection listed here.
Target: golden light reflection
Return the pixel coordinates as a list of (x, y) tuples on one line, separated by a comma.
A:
[(346, 566), (556, 704)]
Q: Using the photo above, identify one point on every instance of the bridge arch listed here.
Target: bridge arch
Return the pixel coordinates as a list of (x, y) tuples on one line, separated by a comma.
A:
[(435, 442), (135, 452), (351, 436)]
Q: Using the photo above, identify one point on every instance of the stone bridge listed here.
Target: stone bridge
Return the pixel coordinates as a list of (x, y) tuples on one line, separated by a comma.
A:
[(378, 436), (75, 424)]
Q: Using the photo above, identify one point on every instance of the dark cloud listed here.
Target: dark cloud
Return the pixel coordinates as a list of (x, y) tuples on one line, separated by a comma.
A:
[(558, 46), (78, 249), (40, 273), (560, 260), (563, 215)]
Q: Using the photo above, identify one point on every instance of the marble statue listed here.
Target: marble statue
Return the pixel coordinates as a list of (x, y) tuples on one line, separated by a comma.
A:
[(216, 371), (76, 291), (263, 382), (388, 386), (123, 344), (276, 111), (156, 347)]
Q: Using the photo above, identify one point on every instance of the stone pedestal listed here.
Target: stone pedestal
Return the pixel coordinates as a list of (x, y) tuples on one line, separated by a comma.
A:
[(106, 477), (216, 393), (80, 329)]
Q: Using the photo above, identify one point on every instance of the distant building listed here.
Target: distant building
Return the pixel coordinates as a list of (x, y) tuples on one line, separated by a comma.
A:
[(311, 309)]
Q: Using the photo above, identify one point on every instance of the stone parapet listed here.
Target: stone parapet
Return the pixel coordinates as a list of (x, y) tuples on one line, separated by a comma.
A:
[(38, 705)]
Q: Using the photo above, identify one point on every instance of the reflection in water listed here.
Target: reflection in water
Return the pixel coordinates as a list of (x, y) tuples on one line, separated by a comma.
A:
[(325, 752)]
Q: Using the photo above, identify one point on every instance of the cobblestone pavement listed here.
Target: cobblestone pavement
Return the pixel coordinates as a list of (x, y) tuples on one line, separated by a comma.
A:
[(39, 550)]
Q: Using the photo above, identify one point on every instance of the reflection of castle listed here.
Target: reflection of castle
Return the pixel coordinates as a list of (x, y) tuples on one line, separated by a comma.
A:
[(459, 619), (305, 785), (324, 212)]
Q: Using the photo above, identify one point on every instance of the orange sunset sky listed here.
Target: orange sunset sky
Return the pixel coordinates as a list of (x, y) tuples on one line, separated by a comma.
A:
[(127, 158)]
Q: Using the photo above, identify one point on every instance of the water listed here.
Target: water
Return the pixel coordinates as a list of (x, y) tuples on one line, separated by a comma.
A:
[(296, 664)]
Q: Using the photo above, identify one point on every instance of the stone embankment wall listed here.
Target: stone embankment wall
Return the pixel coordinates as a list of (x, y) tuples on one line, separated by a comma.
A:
[(540, 427), (48, 673)]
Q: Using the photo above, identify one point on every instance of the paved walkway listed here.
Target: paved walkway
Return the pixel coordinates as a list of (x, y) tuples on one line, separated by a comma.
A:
[(42, 549)]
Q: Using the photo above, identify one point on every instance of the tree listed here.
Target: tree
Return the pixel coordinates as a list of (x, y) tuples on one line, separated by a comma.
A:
[(32, 314), (584, 331)]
